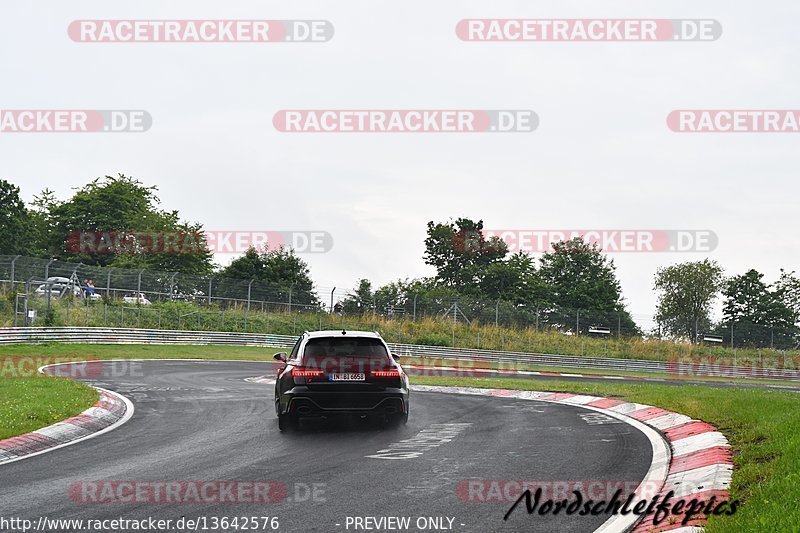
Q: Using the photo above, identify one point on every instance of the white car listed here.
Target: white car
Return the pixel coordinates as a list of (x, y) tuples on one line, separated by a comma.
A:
[(57, 286), (136, 298)]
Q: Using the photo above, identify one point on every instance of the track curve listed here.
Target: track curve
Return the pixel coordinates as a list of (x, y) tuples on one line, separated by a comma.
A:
[(200, 420)]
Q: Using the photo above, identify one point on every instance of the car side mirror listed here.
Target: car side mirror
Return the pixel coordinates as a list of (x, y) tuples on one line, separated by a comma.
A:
[(280, 356)]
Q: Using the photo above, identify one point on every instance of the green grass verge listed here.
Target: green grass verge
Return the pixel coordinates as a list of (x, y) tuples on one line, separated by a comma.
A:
[(85, 352), (28, 404), (591, 372), (763, 427)]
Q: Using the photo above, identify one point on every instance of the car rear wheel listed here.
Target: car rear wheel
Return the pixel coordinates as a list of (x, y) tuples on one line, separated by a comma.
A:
[(287, 422), (398, 419)]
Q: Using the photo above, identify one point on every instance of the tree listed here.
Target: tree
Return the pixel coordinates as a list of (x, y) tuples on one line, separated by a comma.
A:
[(279, 270), (686, 293), (360, 300), (579, 276), (756, 311), (514, 280), (749, 299), (15, 222), (461, 254), (128, 210), (249, 266), (581, 285), (788, 289), (41, 222)]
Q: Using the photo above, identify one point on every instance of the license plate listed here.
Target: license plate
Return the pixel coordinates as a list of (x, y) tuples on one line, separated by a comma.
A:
[(346, 377)]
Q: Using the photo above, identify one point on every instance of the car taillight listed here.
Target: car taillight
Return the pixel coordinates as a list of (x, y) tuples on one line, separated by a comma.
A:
[(305, 373), (386, 373)]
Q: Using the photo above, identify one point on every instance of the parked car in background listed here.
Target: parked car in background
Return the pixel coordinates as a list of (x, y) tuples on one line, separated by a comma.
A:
[(136, 298), (57, 287)]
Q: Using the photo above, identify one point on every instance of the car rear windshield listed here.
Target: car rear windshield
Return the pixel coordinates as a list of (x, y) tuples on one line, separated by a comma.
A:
[(346, 354), (345, 347)]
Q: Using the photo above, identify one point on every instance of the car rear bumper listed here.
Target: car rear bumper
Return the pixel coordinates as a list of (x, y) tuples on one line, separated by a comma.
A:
[(305, 402)]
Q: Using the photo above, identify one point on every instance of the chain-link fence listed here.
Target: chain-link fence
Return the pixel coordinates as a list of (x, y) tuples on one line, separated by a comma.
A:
[(46, 292)]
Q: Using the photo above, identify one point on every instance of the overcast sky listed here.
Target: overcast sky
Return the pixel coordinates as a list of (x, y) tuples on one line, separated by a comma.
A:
[(602, 156)]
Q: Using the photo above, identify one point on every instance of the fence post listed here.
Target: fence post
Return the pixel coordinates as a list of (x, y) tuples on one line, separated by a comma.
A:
[(331, 309), (25, 307), (139, 284), (108, 283), (47, 269), (578, 323), (209, 289), (172, 285), (12, 272), (290, 298), (414, 317), (159, 318), (496, 313), (249, 287)]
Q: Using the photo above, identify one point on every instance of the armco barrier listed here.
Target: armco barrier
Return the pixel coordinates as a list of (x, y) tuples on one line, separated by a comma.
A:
[(86, 335)]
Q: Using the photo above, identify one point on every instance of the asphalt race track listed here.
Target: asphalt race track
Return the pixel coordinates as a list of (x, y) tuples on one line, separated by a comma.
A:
[(201, 421)]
